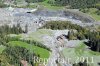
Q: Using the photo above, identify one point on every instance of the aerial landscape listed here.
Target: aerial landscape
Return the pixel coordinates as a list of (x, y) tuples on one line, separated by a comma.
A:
[(49, 32)]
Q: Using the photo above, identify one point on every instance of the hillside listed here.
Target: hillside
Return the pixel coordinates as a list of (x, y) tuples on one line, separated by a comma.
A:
[(49, 32)]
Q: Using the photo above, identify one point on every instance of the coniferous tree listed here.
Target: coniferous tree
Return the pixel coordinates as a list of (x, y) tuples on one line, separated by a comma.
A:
[(26, 28)]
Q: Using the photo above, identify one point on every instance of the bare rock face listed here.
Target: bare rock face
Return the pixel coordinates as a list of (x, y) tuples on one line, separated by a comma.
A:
[(15, 2), (5, 17), (12, 16), (50, 13), (79, 15)]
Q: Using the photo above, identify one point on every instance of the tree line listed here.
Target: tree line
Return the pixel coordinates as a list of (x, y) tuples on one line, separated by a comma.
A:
[(54, 25), (81, 33), (32, 42), (70, 3), (5, 30), (15, 29), (75, 3), (14, 55)]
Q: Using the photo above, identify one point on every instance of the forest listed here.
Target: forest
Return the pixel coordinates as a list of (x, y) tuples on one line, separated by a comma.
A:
[(71, 3), (77, 3), (15, 55), (83, 5), (18, 50)]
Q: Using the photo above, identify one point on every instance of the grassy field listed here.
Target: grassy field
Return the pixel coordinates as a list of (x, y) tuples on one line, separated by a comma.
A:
[(37, 35), (42, 52), (2, 48), (49, 6), (80, 49), (80, 53), (44, 4), (93, 14)]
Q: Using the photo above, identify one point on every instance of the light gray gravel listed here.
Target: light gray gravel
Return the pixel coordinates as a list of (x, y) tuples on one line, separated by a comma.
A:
[(34, 20)]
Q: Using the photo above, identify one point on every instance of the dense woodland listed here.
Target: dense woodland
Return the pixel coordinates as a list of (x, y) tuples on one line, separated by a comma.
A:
[(82, 5), (5, 30), (15, 29), (19, 53), (77, 3), (14, 55), (70, 3), (81, 34)]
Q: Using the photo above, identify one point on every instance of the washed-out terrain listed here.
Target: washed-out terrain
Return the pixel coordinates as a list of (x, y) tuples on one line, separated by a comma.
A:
[(35, 18)]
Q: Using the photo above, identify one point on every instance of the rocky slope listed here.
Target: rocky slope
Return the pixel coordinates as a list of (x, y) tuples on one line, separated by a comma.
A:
[(36, 17)]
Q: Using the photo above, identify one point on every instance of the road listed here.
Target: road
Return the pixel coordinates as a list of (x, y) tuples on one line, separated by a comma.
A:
[(56, 55)]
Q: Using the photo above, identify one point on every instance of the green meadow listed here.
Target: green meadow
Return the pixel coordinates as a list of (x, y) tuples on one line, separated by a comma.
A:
[(37, 50)]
